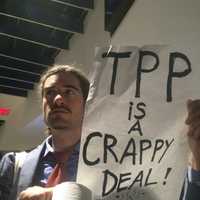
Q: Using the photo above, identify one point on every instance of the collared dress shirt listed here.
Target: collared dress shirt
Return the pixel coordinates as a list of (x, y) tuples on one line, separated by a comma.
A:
[(47, 163)]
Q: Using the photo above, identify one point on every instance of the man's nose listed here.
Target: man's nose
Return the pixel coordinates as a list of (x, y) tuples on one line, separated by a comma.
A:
[(58, 100)]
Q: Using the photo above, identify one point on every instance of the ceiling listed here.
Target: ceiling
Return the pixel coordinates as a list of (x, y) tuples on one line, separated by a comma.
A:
[(32, 33)]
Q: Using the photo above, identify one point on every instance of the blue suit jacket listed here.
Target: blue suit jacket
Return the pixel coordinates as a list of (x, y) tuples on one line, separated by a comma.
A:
[(8, 191)]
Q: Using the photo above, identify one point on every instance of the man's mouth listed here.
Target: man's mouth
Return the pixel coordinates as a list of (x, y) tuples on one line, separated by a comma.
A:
[(60, 111)]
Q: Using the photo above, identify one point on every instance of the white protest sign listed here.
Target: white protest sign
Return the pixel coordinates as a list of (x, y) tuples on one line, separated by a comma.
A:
[(133, 144)]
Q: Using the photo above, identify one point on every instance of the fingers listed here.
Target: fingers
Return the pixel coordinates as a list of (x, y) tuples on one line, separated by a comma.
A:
[(49, 193), (36, 193)]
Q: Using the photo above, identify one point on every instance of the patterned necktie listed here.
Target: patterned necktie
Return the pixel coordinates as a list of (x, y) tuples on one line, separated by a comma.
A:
[(59, 173)]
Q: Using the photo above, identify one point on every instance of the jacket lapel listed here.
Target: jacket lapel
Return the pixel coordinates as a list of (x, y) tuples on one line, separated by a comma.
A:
[(29, 167)]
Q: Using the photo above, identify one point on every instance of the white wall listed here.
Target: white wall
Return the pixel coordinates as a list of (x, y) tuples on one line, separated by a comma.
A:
[(160, 22), (82, 46), (173, 22), (12, 134)]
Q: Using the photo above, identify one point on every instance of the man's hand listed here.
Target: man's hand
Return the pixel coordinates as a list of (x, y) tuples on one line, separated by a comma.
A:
[(36, 193), (193, 122)]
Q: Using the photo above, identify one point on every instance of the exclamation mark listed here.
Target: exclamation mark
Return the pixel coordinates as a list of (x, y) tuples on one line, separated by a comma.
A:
[(166, 175)]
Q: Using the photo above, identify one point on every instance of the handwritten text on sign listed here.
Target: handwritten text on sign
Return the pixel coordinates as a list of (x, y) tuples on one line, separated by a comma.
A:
[(172, 74), (131, 150), (138, 146)]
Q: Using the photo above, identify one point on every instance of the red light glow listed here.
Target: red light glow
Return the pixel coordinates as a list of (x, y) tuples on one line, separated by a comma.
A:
[(4, 111)]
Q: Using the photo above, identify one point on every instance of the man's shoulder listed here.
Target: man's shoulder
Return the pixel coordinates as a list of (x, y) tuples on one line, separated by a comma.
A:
[(35, 152), (6, 174), (8, 158), (40, 147), (7, 164)]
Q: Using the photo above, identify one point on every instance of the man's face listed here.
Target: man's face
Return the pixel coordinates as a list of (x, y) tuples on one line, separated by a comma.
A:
[(63, 103)]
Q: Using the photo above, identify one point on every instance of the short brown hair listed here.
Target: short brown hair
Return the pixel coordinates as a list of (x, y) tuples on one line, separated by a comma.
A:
[(84, 82)]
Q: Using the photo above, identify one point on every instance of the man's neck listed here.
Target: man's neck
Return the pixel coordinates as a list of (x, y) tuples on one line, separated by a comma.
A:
[(65, 139)]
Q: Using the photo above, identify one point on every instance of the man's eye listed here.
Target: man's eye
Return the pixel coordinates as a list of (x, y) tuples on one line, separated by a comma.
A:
[(69, 92), (50, 92)]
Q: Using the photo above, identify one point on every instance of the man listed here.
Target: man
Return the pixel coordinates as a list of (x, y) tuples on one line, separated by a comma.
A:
[(191, 188), (64, 91)]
